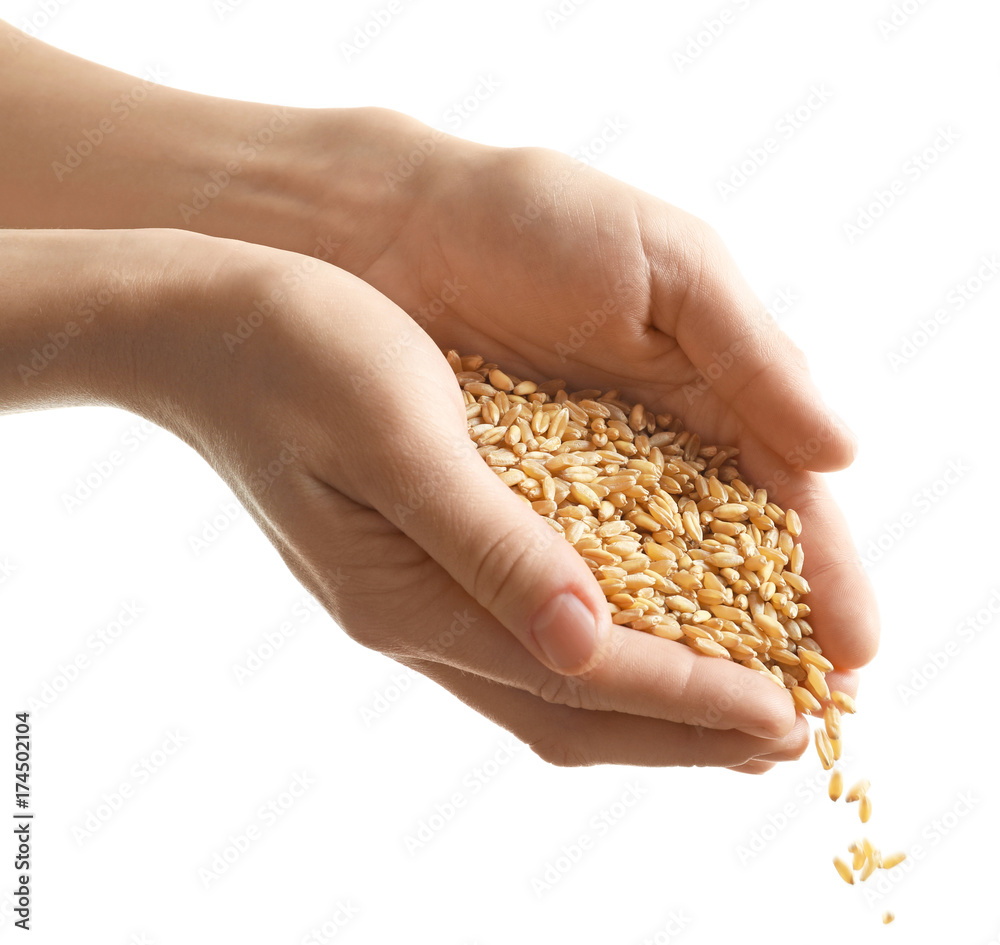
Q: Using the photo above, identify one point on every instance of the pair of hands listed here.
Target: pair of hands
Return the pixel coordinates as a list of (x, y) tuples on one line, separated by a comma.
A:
[(319, 391)]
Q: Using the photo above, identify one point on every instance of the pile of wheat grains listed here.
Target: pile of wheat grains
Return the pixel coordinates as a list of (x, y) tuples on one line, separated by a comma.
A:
[(682, 547)]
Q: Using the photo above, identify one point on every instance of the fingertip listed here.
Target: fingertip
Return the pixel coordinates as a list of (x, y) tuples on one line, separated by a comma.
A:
[(775, 716), (834, 447), (814, 439)]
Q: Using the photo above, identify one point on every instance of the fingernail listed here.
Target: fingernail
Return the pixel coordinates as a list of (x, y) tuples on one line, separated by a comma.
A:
[(566, 632), (764, 732)]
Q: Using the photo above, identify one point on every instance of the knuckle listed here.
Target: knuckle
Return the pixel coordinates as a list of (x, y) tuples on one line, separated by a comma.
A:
[(569, 691)]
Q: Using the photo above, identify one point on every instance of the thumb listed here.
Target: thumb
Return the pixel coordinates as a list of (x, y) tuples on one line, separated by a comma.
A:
[(437, 489), (750, 363)]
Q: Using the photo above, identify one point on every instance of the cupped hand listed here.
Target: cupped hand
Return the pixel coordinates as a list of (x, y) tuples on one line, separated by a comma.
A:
[(340, 425), (553, 269)]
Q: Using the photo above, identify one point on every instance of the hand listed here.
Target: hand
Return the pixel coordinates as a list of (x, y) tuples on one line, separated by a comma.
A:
[(555, 270), (340, 426)]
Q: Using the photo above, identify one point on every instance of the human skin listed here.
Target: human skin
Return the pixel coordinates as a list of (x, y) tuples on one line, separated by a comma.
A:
[(457, 245)]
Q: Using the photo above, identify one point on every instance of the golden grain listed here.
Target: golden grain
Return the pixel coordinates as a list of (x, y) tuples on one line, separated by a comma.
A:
[(858, 791), (843, 702), (865, 809), (680, 545), (845, 871), (823, 749)]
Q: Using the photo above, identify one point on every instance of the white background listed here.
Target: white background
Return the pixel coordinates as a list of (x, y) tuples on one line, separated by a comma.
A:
[(680, 851)]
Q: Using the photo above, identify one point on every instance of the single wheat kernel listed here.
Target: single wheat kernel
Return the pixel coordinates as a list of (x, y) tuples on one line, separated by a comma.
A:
[(812, 658), (858, 791), (816, 682), (887, 917), (893, 861), (845, 871), (836, 785), (865, 809), (843, 702), (823, 749), (805, 700), (868, 869), (831, 719)]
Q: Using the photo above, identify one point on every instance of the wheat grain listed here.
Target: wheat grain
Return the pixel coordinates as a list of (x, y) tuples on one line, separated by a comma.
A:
[(844, 870)]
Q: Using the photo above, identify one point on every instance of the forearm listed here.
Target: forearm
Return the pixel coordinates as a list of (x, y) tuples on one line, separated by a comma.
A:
[(86, 146), (106, 316)]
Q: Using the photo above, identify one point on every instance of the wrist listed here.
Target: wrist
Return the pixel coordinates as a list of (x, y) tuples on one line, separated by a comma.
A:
[(337, 184), (94, 316)]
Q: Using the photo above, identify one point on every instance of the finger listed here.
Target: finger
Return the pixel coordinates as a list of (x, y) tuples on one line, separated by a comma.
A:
[(399, 401), (704, 302), (493, 544), (413, 614), (574, 737), (844, 612)]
